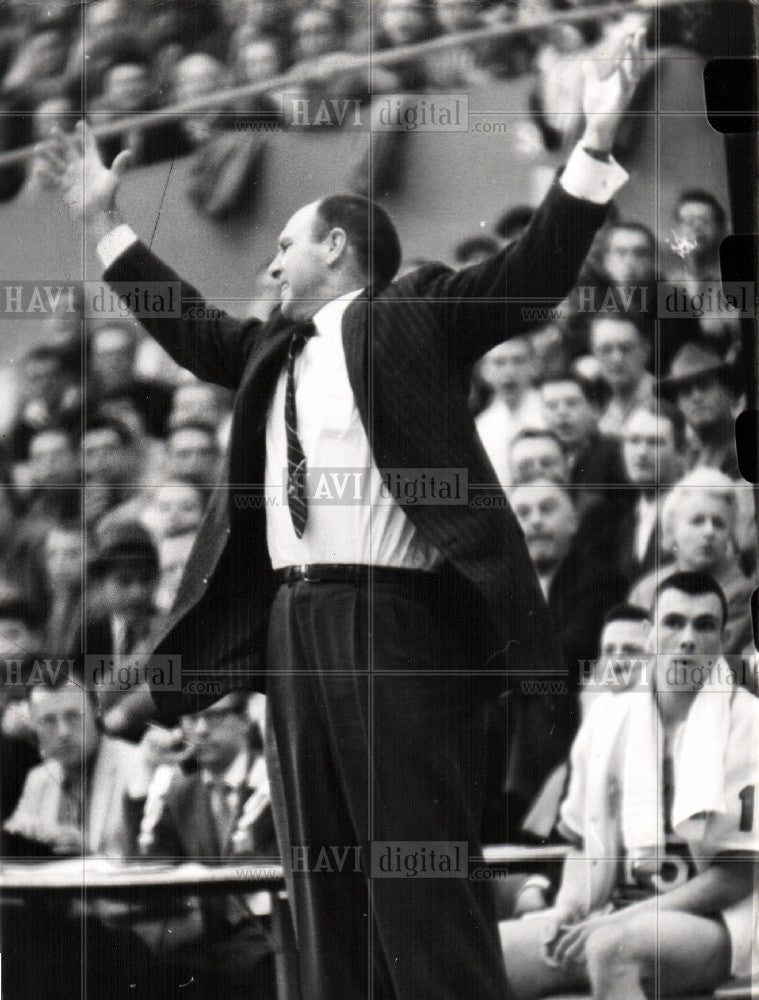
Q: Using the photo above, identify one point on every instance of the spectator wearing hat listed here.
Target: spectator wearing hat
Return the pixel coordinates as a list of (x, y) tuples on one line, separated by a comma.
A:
[(705, 390), (118, 617)]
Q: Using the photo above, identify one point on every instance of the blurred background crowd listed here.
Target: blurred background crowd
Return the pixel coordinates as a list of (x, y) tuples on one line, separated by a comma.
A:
[(610, 427), (120, 57)]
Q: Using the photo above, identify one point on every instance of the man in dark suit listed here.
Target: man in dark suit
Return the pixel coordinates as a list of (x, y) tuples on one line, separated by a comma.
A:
[(348, 612), (219, 809), (652, 447)]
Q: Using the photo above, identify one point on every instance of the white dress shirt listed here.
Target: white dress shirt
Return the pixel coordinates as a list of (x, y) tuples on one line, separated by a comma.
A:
[(373, 530)]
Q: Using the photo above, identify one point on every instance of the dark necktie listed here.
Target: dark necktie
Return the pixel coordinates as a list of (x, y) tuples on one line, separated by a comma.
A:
[(297, 500)]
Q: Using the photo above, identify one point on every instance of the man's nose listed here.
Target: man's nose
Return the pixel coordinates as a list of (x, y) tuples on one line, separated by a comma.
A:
[(688, 640), (275, 269)]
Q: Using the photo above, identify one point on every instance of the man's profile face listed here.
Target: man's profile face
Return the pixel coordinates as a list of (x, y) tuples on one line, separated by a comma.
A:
[(300, 267), (687, 637), (65, 723), (623, 650), (548, 519), (629, 257), (568, 413), (648, 449), (534, 458), (508, 366), (620, 351)]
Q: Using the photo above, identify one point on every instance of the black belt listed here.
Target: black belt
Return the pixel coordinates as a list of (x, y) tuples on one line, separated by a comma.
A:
[(358, 573)]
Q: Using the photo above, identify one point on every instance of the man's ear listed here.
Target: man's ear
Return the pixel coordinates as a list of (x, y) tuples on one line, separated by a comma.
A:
[(337, 245)]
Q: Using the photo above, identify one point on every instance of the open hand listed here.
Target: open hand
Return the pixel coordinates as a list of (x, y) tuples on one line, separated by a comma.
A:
[(611, 78), (73, 165)]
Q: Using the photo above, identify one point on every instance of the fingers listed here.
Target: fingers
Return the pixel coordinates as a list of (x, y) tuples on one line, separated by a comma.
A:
[(86, 139)]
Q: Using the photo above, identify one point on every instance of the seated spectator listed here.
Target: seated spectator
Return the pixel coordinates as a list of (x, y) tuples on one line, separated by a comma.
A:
[(220, 809), (537, 454), (698, 534), (51, 398), (111, 362), (176, 508), (623, 654), (85, 798), (192, 454), (507, 372), (622, 354), (595, 459), (621, 665), (112, 459), (47, 485), (77, 800), (579, 586), (700, 227), (108, 39), (201, 402), (64, 571), (118, 616), (21, 625), (705, 390), (624, 283), (663, 766), (38, 71), (128, 90), (652, 448)]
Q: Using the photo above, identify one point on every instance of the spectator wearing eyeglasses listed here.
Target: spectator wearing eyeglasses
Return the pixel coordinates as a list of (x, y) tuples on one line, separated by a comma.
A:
[(217, 807)]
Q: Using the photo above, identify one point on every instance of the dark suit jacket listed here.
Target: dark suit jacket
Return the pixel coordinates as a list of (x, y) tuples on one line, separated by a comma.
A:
[(408, 351), (627, 561)]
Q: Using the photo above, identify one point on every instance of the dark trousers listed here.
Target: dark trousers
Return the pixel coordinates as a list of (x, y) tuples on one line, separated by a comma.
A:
[(377, 733)]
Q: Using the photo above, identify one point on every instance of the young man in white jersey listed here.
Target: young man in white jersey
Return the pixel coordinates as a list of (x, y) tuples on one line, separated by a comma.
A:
[(657, 894)]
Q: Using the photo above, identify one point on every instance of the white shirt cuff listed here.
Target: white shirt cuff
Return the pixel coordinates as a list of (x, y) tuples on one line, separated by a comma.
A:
[(590, 179), (115, 243)]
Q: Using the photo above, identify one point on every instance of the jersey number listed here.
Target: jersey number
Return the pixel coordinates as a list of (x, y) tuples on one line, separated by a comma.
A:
[(746, 796)]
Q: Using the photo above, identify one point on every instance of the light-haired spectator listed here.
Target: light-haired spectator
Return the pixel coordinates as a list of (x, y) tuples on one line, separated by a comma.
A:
[(698, 520)]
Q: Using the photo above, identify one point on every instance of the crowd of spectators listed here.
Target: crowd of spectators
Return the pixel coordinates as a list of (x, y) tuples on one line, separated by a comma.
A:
[(110, 59)]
